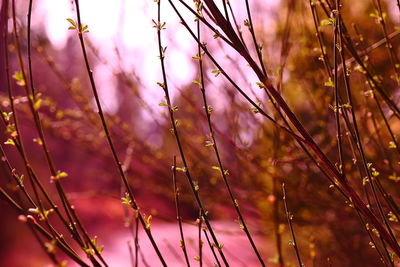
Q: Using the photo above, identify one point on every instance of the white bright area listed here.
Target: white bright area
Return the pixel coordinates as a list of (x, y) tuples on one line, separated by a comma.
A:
[(127, 26)]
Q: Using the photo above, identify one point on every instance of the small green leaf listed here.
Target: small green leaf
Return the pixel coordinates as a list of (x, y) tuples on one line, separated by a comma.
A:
[(59, 175), (197, 57), (38, 141), (42, 214), (19, 77), (216, 72), (392, 145), (216, 168), (347, 105), (196, 185), (73, 24), (392, 217), (148, 222), (37, 104), (11, 129), (198, 82), (126, 200), (183, 169), (261, 85), (255, 110), (20, 178), (372, 244), (210, 109), (376, 232), (216, 35), (365, 180), (394, 177), (329, 83), (7, 116), (374, 15), (84, 29), (9, 142), (375, 173), (326, 22), (62, 174), (98, 248), (209, 143), (158, 25), (162, 85), (34, 210), (89, 251)]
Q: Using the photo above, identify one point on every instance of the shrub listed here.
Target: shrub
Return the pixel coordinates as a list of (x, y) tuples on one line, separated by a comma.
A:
[(289, 126)]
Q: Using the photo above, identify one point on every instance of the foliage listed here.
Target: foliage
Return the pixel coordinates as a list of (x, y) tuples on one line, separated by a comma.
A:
[(309, 106)]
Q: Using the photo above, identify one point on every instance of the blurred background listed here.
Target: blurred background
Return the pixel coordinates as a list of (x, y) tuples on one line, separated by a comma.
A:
[(123, 50)]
